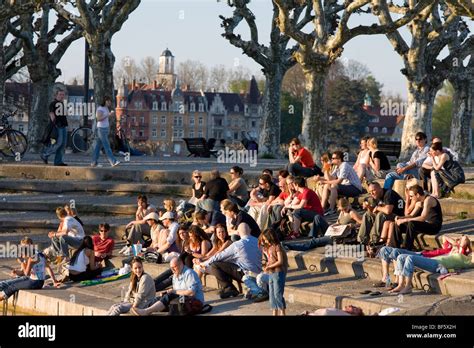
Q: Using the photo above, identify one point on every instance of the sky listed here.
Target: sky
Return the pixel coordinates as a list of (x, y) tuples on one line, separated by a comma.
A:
[(191, 29)]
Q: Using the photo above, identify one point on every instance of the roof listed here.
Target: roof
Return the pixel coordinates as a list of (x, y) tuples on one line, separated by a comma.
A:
[(167, 53), (253, 96), (230, 100)]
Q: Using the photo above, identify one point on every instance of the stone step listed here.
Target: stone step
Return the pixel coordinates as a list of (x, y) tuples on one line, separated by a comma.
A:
[(325, 289), (317, 261), (85, 203), (123, 173), (115, 187), (29, 222)]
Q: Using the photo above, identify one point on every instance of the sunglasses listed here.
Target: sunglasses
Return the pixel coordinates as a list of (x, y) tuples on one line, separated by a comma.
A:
[(198, 177), (103, 231)]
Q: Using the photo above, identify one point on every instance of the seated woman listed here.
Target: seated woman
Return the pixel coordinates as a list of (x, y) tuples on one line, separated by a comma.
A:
[(277, 205), (446, 174), (31, 274), (221, 242), (141, 291), (83, 265), (238, 189), (73, 213), (362, 162), (198, 187), (199, 244), (70, 233), (379, 165), (387, 255), (163, 280), (440, 264), (412, 209)]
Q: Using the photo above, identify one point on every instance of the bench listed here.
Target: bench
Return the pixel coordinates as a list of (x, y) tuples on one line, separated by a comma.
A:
[(198, 147), (390, 148)]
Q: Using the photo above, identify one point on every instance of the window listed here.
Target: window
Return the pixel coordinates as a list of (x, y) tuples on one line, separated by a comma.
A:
[(201, 120), (384, 130), (191, 133), (192, 108), (246, 110), (367, 129), (163, 133), (134, 119), (138, 105), (163, 106), (191, 121), (20, 128), (178, 121), (141, 133), (163, 119), (201, 107), (142, 120), (134, 133), (155, 105), (218, 123), (376, 130), (200, 134), (155, 120), (254, 124), (236, 108), (154, 133), (175, 133), (180, 133), (229, 123), (236, 136), (21, 100)]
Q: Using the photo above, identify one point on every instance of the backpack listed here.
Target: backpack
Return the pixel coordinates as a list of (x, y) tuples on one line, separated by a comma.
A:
[(187, 306)]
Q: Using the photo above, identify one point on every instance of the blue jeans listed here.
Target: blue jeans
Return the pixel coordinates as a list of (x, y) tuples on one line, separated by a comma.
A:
[(389, 254), (392, 176), (10, 286), (407, 263), (276, 288), (319, 227), (102, 140), (61, 245), (58, 148), (312, 243), (251, 283), (262, 281)]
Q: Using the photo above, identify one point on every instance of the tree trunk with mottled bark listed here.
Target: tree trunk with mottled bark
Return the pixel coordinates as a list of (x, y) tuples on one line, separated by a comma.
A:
[(269, 142), (461, 132), (42, 96), (418, 116), (315, 116)]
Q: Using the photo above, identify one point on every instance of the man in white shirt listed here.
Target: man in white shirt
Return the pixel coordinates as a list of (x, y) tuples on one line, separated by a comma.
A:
[(69, 234)]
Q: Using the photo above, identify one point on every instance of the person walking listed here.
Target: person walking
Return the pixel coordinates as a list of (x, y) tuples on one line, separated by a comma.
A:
[(102, 133), (57, 115)]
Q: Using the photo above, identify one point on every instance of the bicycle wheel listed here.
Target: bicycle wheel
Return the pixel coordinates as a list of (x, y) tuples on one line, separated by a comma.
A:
[(82, 139), (13, 142)]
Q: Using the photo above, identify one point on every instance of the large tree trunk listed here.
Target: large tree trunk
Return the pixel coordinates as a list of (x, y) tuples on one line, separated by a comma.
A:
[(418, 116), (461, 132), (270, 132), (315, 116), (39, 115), (3, 73)]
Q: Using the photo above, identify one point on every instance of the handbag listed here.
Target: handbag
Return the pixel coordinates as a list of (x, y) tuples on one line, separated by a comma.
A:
[(51, 132), (185, 306)]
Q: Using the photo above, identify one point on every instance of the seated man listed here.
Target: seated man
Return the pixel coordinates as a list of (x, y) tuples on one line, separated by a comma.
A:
[(306, 207), (208, 220), (70, 234), (429, 222), (186, 283), (261, 199), (237, 219), (301, 160), (412, 167), (346, 183), (215, 191), (232, 263), (103, 244), (167, 246), (388, 204), (137, 228)]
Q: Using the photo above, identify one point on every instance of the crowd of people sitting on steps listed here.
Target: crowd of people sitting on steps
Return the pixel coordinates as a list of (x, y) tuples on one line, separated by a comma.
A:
[(241, 234)]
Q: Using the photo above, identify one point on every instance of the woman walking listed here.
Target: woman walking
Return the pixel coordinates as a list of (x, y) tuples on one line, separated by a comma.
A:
[(102, 133)]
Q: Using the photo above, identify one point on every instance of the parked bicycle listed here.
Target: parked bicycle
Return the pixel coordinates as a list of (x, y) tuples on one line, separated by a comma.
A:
[(82, 139), (12, 142)]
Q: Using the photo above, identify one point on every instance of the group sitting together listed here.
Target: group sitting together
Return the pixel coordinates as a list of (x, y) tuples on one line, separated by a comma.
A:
[(239, 234)]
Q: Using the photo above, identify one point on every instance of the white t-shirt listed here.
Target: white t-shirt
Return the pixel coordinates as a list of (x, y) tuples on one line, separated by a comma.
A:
[(105, 122), (73, 227)]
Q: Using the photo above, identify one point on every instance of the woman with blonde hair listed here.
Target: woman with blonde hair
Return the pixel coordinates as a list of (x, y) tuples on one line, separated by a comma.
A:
[(378, 162)]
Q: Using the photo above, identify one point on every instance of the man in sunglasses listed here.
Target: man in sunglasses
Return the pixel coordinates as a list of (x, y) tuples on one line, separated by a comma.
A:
[(411, 167), (103, 244)]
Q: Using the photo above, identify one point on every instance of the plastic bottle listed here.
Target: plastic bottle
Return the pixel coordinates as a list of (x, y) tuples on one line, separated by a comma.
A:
[(388, 282)]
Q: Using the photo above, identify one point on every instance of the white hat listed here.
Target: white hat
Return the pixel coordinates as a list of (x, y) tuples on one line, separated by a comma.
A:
[(167, 215), (152, 216)]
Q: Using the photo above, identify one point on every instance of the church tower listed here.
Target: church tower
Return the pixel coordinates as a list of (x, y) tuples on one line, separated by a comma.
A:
[(166, 77)]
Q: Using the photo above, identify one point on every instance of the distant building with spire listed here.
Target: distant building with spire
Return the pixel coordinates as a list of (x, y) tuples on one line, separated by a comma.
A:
[(164, 113)]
